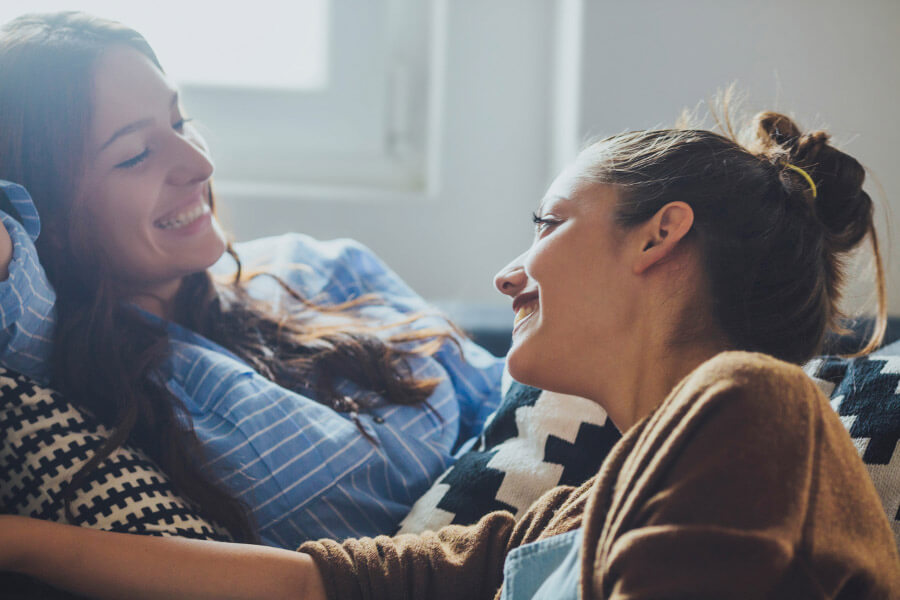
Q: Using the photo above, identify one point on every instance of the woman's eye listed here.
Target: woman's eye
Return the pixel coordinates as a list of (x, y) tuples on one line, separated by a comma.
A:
[(131, 162), (542, 224), (180, 123)]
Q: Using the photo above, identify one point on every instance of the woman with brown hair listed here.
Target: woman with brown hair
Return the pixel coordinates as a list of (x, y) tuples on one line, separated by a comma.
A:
[(319, 400), (677, 278)]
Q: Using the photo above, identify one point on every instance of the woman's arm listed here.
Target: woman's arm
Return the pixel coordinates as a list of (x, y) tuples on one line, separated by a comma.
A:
[(452, 563), (456, 562), (101, 564)]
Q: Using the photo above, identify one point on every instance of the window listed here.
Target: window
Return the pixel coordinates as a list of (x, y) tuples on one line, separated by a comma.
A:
[(292, 95)]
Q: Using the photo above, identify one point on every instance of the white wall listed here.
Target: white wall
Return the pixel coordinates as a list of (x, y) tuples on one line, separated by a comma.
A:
[(831, 63)]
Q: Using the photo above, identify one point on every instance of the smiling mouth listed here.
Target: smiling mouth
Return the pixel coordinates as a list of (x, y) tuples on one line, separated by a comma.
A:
[(184, 217), (524, 312), (525, 305)]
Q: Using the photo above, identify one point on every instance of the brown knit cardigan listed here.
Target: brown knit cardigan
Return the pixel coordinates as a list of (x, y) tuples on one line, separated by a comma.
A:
[(742, 484)]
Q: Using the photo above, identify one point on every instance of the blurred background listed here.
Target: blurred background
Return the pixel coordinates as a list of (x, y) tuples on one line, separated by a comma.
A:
[(429, 129)]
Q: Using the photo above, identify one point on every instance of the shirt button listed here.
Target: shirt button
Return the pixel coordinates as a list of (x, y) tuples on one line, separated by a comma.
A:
[(377, 419)]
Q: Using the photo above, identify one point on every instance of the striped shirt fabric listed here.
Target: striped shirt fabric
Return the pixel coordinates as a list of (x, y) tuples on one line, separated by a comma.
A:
[(305, 470)]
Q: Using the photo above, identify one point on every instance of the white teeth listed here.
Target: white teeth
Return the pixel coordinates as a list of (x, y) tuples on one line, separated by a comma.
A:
[(520, 314), (523, 312), (185, 217)]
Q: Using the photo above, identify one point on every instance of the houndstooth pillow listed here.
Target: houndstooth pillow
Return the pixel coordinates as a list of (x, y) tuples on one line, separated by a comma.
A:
[(44, 441)]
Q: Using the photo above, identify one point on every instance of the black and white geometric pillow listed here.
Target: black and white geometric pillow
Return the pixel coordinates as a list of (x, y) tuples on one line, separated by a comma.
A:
[(865, 392), (45, 440), (536, 440)]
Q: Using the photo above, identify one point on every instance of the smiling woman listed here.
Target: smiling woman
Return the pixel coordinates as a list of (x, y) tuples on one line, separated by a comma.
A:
[(553, 324), (317, 400), (148, 187)]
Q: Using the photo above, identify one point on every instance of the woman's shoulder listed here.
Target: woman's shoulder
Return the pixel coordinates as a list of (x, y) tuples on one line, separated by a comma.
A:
[(750, 384), (749, 368), (752, 373), (746, 459)]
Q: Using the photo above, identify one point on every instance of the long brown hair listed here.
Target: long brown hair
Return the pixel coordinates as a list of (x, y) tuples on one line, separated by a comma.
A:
[(774, 247), (107, 358)]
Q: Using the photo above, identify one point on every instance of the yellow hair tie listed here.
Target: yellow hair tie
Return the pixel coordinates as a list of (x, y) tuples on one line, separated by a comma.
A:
[(809, 180)]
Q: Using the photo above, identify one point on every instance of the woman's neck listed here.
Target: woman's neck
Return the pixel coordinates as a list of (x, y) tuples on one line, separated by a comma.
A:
[(641, 376), (158, 300)]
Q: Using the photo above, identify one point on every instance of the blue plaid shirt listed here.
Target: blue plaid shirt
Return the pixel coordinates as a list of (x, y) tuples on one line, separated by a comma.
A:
[(305, 470)]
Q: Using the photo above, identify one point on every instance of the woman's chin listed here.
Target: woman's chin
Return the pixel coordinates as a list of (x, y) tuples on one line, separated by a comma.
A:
[(522, 367), (535, 370), (209, 250)]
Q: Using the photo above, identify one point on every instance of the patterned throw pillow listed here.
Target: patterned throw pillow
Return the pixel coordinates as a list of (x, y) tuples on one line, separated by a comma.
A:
[(865, 392), (44, 440), (535, 440)]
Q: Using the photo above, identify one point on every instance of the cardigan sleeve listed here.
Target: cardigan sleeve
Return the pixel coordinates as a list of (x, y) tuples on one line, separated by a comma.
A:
[(455, 562), (727, 508)]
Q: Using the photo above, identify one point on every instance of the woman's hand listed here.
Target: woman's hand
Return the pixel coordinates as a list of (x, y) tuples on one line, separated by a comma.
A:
[(101, 564), (6, 252)]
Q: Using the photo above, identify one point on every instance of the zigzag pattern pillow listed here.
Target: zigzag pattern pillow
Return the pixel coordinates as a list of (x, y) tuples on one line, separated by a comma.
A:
[(44, 441), (865, 392), (535, 440)]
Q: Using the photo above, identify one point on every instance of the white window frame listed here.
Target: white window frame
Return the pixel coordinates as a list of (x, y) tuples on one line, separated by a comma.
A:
[(371, 135)]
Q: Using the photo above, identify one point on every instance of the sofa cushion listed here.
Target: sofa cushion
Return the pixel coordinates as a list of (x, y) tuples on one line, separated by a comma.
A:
[(535, 440), (865, 392)]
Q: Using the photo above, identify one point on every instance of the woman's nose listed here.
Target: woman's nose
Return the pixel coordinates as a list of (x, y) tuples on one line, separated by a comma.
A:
[(512, 278), (192, 161)]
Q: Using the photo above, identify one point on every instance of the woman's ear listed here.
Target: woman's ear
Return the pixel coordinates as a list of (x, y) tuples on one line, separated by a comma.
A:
[(661, 235)]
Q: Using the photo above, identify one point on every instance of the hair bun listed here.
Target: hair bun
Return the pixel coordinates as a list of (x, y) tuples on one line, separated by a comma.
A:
[(840, 204), (778, 138), (775, 131)]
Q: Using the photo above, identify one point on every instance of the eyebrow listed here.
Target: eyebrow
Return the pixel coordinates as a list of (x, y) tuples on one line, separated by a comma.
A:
[(551, 198), (135, 126)]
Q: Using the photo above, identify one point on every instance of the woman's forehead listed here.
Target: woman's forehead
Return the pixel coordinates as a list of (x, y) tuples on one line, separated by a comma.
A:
[(573, 183), (567, 184), (127, 87)]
